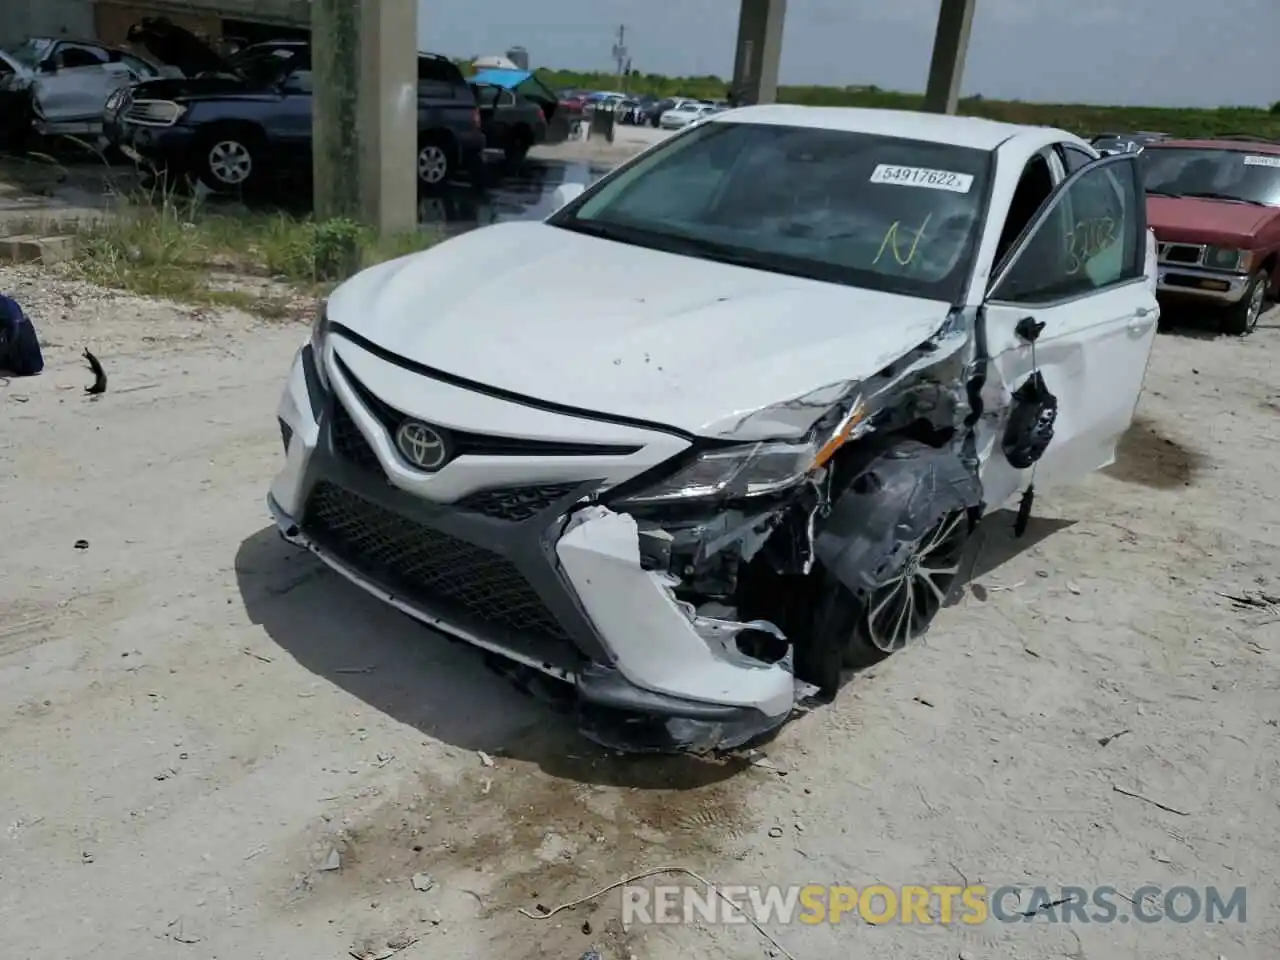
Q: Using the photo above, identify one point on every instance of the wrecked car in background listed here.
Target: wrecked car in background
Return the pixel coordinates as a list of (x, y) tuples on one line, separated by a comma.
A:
[(1215, 208), (697, 504), (64, 85)]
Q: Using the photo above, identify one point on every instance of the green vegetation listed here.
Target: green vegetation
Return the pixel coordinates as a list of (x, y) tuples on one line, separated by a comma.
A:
[(1082, 119), (186, 252)]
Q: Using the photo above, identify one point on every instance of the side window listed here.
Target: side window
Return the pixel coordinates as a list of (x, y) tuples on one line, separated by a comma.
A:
[(69, 56), (437, 79), (1073, 158), (506, 99), (1034, 188), (1087, 240)]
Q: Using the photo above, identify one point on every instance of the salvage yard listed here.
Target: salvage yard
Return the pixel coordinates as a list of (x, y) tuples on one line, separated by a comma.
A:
[(215, 748)]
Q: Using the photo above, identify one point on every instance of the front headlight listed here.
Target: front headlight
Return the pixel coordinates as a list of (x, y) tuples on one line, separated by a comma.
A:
[(1223, 258), (755, 469), (744, 471)]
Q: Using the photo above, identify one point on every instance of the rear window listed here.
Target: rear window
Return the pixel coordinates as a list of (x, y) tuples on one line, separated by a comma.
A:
[(440, 78)]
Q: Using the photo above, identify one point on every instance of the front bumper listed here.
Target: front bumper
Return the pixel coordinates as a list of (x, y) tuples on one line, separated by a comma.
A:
[(522, 571), (1200, 284), (165, 148)]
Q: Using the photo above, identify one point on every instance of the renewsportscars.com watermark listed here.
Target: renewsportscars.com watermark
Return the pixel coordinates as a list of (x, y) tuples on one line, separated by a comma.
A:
[(972, 905)]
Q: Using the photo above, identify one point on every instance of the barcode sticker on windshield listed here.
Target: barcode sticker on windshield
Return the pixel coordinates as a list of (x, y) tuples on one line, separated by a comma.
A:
[(922, 177), (1252, 161)]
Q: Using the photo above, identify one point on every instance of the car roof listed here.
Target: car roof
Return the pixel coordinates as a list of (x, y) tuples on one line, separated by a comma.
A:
[(1243, 146), (974, 132)]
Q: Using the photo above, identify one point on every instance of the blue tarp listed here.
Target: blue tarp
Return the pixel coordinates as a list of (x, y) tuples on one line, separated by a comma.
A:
[(507, 79)]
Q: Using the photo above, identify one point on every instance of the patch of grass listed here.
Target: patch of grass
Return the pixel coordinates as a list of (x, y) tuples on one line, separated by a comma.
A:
[(167, 246)]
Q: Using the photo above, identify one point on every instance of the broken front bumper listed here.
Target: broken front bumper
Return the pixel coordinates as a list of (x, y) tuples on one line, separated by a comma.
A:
[(525, 572)]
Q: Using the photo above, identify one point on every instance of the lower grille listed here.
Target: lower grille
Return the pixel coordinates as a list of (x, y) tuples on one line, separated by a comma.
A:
[(444, 573)]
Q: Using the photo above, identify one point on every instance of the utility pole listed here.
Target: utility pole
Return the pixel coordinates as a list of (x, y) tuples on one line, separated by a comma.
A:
[(620, 52), (364, 63)]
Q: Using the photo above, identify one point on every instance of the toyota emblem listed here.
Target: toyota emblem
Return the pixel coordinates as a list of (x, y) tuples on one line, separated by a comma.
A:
[(421, 445)]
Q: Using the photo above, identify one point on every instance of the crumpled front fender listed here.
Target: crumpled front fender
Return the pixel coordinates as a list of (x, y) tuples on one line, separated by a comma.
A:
[(891, 503)]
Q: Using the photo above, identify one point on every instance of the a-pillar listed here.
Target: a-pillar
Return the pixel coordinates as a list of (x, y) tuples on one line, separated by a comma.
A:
[(950, 44), (755, 67), (365, 111)]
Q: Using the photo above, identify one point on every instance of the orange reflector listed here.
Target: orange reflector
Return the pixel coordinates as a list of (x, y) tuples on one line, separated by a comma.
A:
[(1215, 285)]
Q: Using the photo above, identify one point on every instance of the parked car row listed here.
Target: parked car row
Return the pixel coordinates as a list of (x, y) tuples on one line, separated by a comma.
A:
[(243, 121)]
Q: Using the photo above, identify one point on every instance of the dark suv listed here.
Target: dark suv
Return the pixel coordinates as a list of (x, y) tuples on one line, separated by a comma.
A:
[(249, 123)]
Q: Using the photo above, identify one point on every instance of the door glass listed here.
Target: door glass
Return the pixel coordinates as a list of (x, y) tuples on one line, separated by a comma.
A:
[(1085, 241), (71, 56), (1074, 158)]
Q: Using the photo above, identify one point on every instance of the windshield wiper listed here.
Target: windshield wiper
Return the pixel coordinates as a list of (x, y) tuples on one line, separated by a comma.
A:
[(1213, 195), (1163, 193)]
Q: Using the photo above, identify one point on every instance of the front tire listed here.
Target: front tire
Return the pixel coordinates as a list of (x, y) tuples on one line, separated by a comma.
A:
[(229, 161), (1241, 318)]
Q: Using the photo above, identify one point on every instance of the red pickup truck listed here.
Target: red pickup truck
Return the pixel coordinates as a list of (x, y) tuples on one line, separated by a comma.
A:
[(1215, 208)]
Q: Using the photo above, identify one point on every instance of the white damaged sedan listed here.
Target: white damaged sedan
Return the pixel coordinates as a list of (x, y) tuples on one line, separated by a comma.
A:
[(859, 332)]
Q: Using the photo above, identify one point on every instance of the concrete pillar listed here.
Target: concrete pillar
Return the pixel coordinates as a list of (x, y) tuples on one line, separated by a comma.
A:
[(950, 44), (759, 51), (365, 120)]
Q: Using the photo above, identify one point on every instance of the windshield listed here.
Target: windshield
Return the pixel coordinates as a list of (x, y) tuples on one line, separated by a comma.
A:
[(884, 213), (29, 53), (1213, 173)]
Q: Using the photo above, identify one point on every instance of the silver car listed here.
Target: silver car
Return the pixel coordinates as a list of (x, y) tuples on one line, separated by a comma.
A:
[(69, 81)]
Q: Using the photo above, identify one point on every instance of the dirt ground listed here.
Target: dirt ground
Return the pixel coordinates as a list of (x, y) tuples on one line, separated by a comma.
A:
[(196, 721)]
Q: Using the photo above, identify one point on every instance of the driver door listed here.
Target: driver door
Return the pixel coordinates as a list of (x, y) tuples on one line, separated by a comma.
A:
[(1080, 268)]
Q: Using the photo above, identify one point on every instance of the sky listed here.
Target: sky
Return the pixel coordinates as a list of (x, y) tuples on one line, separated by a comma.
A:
[(1127, 52)]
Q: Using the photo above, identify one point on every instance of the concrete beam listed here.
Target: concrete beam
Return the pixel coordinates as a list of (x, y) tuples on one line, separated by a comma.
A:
[(759, 51), (950, 44), (365, 111)]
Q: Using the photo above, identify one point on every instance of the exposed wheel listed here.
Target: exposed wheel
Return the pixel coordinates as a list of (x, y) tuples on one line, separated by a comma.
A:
[(435, 162), (518, 146), (229, 160), (1241, 318), (849, 633), (903, 609)]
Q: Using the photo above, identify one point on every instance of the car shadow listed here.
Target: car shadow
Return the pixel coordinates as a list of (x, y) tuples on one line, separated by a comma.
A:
[(417, 676), (995, 544)]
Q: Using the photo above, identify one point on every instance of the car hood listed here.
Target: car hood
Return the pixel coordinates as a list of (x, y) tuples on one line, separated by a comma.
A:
[(177, 47), (189, 88), (687, 343), (1192, 220)]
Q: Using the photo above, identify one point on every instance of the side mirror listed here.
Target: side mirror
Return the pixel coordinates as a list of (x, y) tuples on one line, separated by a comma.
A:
[(48, 66), (566, 193)]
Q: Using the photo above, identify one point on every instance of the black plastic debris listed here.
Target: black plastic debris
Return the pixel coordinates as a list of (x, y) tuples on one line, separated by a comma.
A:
[(19, 346), (99, 375)]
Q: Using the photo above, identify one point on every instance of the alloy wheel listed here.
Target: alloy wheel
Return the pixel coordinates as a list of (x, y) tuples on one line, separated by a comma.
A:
[(433, 164), (230, 162), (901, 610)]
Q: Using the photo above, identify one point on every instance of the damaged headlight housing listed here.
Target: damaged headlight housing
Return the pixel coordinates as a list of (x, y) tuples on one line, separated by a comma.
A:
[(754, 469)]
